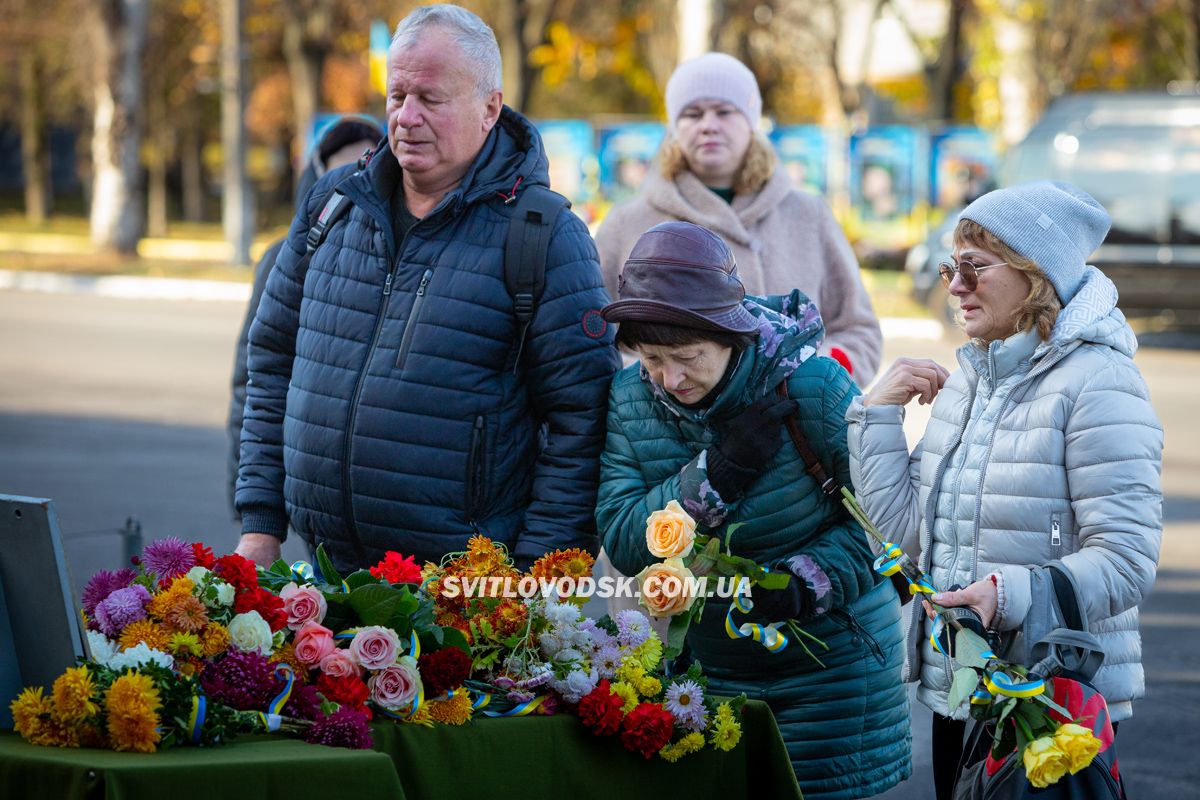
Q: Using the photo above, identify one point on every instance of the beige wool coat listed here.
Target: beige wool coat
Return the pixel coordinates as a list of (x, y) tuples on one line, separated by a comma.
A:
[(782, 239)]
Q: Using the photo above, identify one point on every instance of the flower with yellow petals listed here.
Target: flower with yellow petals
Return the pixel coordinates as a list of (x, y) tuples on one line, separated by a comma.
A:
[(185, 644), (725, 734), (73, 692), (186, 613), (133, 702), (30, 711), (627, 693), (689, 744), (453, 711), (214, 639), (154, 635)]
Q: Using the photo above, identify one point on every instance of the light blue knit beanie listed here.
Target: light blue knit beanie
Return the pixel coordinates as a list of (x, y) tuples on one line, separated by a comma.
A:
[(1052, 223)]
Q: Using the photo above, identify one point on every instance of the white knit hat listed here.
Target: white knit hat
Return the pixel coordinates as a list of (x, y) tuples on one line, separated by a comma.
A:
[(714, 76)]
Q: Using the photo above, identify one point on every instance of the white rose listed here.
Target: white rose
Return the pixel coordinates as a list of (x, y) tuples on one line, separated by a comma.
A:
[(197, 575), (249, 632), (225, 593)]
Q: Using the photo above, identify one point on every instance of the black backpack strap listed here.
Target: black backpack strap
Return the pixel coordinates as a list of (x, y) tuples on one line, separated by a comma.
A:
[(334, 207), (812, 465), (525, 252)]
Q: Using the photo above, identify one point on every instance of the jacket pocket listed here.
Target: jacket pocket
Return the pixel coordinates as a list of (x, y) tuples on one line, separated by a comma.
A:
[(847, 620), (476, 471)]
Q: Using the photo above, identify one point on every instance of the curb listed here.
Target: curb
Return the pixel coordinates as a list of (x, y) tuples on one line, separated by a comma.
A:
[(139, 288)]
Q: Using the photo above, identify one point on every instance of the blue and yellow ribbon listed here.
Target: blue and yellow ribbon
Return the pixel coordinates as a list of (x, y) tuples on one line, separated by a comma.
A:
[(196, 718), (893, 561), (302, 572), (766, 635), (998, 682), (521, 710), (283, 673), (479, 699), (414, 645)]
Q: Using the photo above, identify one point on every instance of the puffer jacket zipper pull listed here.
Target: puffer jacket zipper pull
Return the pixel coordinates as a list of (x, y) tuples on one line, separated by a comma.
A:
[(387, 285)]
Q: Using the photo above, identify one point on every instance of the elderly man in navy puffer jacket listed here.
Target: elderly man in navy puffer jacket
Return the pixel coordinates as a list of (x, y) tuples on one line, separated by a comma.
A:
[(390, 406)]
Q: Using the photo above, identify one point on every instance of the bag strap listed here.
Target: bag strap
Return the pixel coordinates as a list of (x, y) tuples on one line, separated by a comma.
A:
[(525, 254), (812, 465), (1071, 648)]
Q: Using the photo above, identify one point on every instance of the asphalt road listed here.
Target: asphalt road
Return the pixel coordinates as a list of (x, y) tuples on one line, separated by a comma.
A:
[(115, 408)]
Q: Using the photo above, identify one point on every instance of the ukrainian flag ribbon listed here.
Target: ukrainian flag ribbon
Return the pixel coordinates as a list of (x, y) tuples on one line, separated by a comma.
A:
[(522, 710), (196, 718), (894, 560), (302, 571), (283, 673), (414, 645), (998, 682), (479, 699), (270, 722), (766, 635)]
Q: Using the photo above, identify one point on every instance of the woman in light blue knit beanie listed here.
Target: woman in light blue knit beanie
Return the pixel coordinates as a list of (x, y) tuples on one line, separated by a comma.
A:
[(1042, 448)]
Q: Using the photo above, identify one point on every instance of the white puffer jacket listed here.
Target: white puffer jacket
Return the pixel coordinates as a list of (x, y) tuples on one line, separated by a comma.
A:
[(1035, 451)]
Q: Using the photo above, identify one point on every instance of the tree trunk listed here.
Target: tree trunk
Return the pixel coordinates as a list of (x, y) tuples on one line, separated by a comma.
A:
[(191, 174), (120, 36), (1018, 80), (156, 169), (944, 73), (306, 43), (237, 201), (35, 161), (513, 54)]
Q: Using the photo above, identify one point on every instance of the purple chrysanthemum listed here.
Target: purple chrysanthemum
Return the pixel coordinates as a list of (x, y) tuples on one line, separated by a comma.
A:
[(242, 680), (607, 660), (601, 638), (304, 703), (168, 557), (344, 728), (102, 584), (121, 608), (804, 567), (633, 627), (685, 700)]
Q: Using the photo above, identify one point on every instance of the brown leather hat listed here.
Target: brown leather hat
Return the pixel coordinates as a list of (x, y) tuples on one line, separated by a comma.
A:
[(682, 274)]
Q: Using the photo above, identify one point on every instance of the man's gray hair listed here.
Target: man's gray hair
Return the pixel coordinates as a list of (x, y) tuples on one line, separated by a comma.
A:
[(477, 40)]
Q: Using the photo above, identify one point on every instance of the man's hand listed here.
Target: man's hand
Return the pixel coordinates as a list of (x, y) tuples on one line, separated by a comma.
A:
[(905, 379), (261, 548)]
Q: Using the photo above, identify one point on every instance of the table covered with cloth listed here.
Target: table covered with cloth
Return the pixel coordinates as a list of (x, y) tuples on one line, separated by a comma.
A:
[(515, 757)]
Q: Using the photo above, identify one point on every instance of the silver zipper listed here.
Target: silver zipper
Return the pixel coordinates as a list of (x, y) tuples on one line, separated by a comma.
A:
[(1055, 534)]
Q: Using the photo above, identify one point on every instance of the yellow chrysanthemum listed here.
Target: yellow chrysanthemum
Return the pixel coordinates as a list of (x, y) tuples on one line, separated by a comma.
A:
[(214, 639), (186, 613), (724, 713), (133, 702), (689, 744), (454, 711), (144, 630), (287, 655), (631, 671), (627, 693), (570, 563), (421, 717), (185, 644), (30, 711), (73, 695), (649, 652), (649, 686), (725, 735)]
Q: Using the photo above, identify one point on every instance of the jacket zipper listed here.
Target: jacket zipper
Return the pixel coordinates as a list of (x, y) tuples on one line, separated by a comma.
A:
[(411, 324), (847, 619), (475, 470)]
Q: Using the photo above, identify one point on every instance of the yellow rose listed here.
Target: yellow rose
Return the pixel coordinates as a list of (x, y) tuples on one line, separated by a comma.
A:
[(670, 533), (1045, 763), (667, 588), (1078, 743)]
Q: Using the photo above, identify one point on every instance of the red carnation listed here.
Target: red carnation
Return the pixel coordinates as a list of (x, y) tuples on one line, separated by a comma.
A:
[(268, 606), (203, 555), (397, 569), (600, 710), (348, 691), (443, 669), (237, 570), (647, 729)]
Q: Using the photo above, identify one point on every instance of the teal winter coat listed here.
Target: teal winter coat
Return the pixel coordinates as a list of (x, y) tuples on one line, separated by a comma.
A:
[(846, 724)]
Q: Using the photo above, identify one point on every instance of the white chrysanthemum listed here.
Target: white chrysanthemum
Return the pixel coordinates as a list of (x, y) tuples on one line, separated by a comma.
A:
[(101, 647), (140, 656)]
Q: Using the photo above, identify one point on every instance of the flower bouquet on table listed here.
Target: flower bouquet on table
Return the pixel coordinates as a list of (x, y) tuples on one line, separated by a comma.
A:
[(1028, 712), (534, 652), (677, 587)]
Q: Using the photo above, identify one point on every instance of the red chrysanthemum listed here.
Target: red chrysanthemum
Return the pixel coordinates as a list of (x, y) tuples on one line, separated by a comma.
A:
[(600, 710), (203, 555), (237, 570), (443, 669), (647, 729), (349, 691), (397, 569), (268, 606)]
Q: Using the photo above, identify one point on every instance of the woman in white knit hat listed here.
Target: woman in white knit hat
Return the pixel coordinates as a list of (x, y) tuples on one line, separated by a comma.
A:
[(1042, 447), (716, 170)]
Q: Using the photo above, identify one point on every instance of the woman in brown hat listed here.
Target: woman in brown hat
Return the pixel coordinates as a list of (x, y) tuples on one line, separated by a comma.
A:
[(700, 420)]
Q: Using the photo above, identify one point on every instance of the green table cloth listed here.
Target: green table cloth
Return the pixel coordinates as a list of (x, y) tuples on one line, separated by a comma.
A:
[(488, 758)]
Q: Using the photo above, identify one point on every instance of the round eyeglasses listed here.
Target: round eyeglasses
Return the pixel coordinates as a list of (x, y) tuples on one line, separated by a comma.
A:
[(965, 269)]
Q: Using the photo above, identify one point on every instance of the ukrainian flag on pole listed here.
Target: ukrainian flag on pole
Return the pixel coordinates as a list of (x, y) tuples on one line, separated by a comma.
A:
[(380, 39)]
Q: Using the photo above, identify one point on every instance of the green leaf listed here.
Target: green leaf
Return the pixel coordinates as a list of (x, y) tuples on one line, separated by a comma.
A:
[(376, 604), (969, 648), (1046, 701), (676, 633), (773, 580), (729, 531), (965, 681), (281, 568), (328, 573), (360, 578)]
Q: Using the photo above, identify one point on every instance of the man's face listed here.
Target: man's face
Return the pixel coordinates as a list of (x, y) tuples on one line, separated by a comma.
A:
[(437, 121)]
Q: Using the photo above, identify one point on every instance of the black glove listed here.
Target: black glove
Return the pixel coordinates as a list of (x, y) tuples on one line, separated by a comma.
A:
[(794, 601), (748, 442)]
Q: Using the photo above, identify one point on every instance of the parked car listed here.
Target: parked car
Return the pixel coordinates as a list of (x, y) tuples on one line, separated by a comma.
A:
[(1139, 155)]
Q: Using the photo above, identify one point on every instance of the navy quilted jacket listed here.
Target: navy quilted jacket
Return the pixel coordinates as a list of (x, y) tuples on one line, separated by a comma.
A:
[(383, 411)]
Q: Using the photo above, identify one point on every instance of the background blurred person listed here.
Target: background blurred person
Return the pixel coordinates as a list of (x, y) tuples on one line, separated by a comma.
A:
[(715, 169)]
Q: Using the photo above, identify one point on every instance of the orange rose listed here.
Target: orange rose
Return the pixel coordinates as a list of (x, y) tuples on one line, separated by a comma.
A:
[(670, 533), (668, 588)]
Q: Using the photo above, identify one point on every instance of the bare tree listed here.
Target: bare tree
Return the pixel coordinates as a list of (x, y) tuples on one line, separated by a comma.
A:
[(308, 32), (943, 57), (119, 36)]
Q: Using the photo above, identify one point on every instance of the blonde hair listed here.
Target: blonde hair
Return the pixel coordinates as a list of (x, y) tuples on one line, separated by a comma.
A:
[(1039, 310), (757, 166)]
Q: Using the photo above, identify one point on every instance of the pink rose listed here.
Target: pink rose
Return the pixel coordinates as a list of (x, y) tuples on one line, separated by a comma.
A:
[(313, 642), (375, 647), (303, 604), (339, 664), (395, 686)]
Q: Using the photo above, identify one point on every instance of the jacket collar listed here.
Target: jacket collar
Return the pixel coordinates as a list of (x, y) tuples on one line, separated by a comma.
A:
[(688, 199)]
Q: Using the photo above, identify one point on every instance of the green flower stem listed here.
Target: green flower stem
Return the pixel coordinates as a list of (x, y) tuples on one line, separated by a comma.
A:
[(800, 633)]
